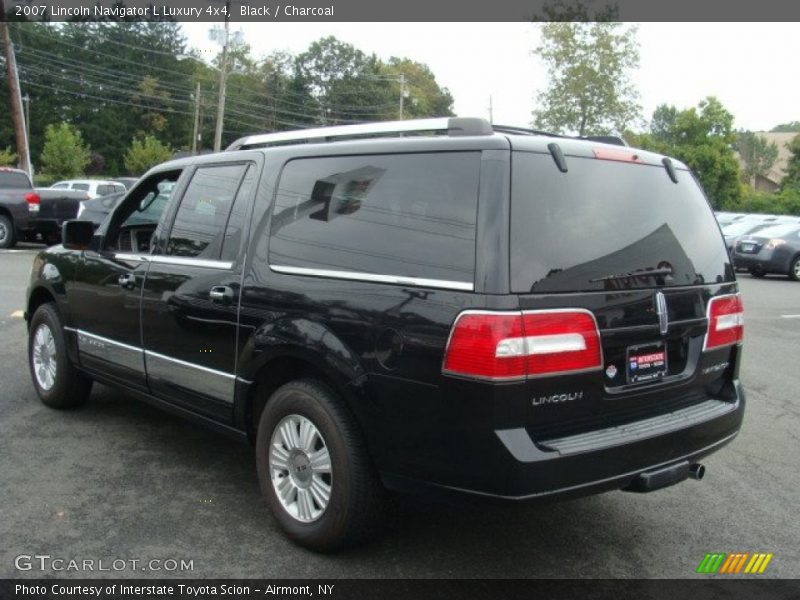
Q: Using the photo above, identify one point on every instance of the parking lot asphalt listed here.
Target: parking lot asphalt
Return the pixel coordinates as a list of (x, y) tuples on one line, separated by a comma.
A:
[(117, 479)]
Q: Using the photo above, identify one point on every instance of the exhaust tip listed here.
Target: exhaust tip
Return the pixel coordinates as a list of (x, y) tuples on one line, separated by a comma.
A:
[(697, 471)]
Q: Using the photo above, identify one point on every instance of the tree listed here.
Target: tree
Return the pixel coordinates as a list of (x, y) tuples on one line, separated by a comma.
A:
[(145, 153), (792, 177), (702, 137), (64, 155), (758, 155), (789, 127), (589, 67), (425, 97), (346, 83), (7, 158)]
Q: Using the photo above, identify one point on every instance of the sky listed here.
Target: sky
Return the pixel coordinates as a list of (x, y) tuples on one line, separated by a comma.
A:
[(750, 67)]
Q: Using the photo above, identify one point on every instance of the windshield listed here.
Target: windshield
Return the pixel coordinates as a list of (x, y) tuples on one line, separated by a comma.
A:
[(742, 227), (593, 226), (777, 231)]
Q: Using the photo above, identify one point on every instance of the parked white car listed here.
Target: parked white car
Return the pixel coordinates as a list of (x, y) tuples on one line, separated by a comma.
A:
[(94, 188)]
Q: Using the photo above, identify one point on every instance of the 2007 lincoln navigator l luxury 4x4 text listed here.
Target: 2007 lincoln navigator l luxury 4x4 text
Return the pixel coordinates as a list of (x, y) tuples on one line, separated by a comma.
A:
[(437, 306)]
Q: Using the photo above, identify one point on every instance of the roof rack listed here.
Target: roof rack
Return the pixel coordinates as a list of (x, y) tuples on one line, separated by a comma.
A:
[(605, 139), (452, 126)]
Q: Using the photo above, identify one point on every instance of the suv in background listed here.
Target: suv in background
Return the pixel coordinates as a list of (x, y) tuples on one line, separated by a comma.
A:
[(438, 306), (94, 188)]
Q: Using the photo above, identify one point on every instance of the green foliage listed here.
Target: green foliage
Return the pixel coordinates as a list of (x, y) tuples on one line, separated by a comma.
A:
[(792, 177), (789, 127), (64, 155), (126, 80), (701, 137), (785, 202), (145, 153), (589, 66), (8, 158), (757, 153)]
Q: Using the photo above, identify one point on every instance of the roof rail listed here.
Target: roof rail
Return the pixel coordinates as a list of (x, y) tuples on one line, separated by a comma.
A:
[(452, 126), (605, 139)]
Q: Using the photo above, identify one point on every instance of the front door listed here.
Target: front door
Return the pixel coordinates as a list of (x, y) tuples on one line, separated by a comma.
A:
[(190, 299), (108, 285)]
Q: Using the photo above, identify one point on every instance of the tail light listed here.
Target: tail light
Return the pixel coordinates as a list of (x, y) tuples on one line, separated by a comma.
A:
[(503, 346), (725, 322), (33, 201)]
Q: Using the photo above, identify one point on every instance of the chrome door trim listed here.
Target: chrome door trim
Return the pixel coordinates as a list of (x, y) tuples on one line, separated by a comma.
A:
[(97, 346), (184, 363), (217, 384), (191, 262), (375, 278), (183, 261), (196, 378)]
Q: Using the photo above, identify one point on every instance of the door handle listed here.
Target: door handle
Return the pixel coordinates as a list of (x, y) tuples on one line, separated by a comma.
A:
[(127, 280), (221, 294)]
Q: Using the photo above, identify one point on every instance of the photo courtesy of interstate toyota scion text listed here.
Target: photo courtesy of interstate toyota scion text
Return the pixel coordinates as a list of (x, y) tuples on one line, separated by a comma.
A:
[(442, 307)]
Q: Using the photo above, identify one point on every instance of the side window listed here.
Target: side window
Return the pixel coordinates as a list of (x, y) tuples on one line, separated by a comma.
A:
[(199, 225), (409, 215), (84, 187), (236, 221), (61, 186)]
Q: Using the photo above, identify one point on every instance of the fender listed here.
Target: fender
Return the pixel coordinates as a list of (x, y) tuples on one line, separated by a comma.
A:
[(50, 272), (312, 342)]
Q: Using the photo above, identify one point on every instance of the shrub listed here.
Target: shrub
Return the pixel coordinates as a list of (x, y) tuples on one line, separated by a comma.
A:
[(145, 153), (64, 155)]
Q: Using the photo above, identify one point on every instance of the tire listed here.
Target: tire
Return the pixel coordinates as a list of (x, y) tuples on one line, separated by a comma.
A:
[(758, 273), (794, 270), (8, 235), (355, 495), (58, 383)]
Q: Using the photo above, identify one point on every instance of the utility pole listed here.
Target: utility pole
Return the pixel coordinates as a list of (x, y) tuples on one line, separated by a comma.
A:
[(491, 111), (402, 93), (17, 115), (195, 133), (223, 78)]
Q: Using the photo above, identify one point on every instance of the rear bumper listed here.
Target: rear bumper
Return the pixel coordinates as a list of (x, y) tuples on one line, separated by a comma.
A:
[(44, 226), (766, 261), (536, 471)]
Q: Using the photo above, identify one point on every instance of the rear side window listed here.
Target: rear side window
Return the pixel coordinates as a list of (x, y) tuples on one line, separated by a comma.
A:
[(409, 215), (199, 225), (11, 180), (571, 231)]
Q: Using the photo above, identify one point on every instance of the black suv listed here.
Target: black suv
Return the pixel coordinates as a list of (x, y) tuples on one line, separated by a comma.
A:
[(437, 306)]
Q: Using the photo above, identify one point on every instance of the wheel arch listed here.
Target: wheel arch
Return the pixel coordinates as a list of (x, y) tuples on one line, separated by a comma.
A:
[(291, 365)]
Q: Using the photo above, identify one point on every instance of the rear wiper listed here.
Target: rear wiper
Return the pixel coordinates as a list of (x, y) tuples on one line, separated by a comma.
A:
[(657, 272)]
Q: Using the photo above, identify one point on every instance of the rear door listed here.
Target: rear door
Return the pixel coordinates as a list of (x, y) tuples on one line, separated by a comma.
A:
[(640, 252), (190, 298)]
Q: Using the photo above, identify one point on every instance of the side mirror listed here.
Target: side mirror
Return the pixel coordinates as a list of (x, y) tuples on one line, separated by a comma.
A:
[(77, 235)]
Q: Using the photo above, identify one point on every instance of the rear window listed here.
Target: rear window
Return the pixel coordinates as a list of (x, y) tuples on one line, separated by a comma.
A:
[(578, 231), (11, 180), (409, 215)]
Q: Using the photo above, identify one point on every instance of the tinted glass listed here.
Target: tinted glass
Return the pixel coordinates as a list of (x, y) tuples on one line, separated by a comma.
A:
[(571, 230), (407, 215), (236, 221), (84, 187), (60, 186), (776, 231), (200, 222), (10, 180)]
